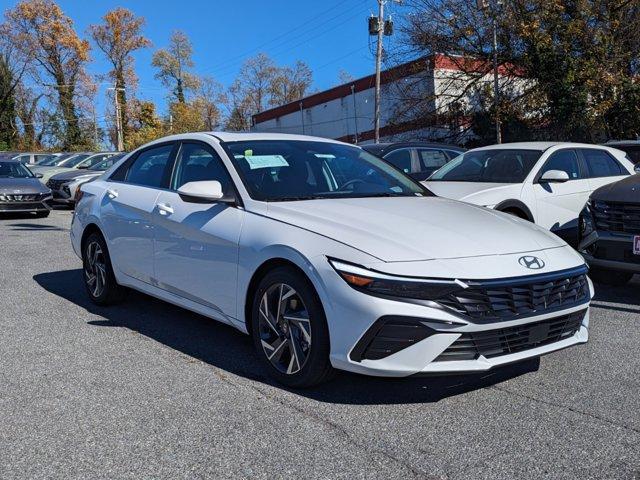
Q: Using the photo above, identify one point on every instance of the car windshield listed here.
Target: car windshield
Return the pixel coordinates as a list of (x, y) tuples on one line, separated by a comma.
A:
[(282, 170), (106, 163), (74, 160), (492, 166), (52, 160), (14, 170)]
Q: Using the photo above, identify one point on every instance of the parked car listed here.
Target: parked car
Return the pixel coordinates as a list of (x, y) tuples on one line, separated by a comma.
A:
[(21, 191), (31, 158), (417, 159), (66, 161), (54, 159), (64, 184), (610, 231), (544, 182), (80, 162), (328, 256), (631, 148)]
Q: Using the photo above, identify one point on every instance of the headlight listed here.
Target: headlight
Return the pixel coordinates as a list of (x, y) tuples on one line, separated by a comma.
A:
[(377, 283), (585, 221)]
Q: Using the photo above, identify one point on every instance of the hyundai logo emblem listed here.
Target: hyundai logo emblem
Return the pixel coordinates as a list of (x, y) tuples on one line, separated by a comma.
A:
[(531, 262)]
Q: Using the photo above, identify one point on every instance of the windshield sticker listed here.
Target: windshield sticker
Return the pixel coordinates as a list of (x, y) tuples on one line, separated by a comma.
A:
[(324, 155), (265, 161)]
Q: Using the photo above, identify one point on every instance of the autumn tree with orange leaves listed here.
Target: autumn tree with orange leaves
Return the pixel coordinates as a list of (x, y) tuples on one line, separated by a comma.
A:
[(44, 33), (118, 37)]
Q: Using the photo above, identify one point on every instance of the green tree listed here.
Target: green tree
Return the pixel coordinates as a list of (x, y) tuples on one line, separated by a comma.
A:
[(42, 32), (173, 64)]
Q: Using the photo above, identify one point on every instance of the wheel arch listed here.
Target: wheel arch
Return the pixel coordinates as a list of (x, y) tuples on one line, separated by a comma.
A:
[(88, 230), (515, 205), (259, 274)]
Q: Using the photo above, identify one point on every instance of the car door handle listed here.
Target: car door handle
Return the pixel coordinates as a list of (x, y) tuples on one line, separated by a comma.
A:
[(164, 208), (112, 193)]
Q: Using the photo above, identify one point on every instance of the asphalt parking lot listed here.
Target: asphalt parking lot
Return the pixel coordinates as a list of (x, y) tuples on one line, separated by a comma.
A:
[(148, 390)]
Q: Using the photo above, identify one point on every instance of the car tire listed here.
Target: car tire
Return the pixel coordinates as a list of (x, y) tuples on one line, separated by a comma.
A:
[(294, 349), (42, 214), (97, 272), (610, 277)]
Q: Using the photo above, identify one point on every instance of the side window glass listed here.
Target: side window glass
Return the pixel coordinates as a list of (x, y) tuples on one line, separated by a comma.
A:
[(565, 161), (400, 159), (601, 164), (148, 169), (430, 159), (197, 163)]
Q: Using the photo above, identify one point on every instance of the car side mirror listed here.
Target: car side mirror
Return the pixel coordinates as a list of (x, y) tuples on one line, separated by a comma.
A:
[(38, 175), (554, 176), (205, 191)]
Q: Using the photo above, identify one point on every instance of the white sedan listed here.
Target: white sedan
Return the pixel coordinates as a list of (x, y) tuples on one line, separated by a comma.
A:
[(329, 257), (544, 182)]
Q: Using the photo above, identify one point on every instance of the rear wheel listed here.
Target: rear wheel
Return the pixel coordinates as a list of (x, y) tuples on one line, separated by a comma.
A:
[(98, 276), (610, 277), (290, 330)]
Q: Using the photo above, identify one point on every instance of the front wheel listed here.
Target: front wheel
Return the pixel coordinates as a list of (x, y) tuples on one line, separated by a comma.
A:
[(99, 280), (610, 277), (290, 330)]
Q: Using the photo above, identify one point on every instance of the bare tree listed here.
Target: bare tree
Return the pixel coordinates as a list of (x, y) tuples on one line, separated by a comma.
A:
[(173, 64)]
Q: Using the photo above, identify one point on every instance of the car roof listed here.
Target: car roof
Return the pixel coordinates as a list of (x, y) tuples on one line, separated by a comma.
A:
[(541, 146), (244, 136), (414, 143)]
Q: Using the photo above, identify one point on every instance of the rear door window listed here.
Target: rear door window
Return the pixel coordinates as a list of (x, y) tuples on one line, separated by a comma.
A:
[(148, 169), (401, 159), (601, 164), (431, 159)]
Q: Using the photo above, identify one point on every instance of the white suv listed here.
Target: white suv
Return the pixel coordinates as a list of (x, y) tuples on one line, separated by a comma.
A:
[(543, 182), (329, 257)]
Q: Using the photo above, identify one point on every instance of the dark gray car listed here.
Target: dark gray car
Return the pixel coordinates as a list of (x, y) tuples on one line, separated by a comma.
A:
[(21, 190)]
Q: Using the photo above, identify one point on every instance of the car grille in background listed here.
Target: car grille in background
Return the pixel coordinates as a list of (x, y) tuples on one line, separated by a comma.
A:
[(617, 217), (21, 197), (497, 300), (55, 184), (504, 341)]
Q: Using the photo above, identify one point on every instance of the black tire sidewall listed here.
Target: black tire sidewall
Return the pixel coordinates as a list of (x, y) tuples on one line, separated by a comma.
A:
[(111, 289), (317, 367)]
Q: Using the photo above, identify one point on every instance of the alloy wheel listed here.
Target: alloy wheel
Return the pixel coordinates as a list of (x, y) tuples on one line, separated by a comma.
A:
[(285, 328), (95, 272)]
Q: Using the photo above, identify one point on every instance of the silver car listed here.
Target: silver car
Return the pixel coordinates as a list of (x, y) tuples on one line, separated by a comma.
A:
[(21, 191)]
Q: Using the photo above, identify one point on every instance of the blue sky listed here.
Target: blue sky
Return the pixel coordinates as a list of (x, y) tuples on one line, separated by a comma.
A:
[(329, 36)]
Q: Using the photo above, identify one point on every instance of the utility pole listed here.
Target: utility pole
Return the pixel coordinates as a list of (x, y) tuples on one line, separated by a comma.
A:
[(119, 136), (379, 26), (380, 33)]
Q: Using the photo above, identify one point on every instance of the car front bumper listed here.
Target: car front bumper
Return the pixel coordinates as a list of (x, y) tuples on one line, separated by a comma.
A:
[(610, 251), (351, 314), (26, 206)]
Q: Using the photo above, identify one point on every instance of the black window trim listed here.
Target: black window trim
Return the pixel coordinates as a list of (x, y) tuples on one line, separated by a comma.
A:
[(581, 165)]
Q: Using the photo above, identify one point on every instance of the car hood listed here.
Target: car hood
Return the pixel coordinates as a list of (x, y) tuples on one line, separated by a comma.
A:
[(414, 228), (625, 190), (75, 173), (472, 192), (22, 185)]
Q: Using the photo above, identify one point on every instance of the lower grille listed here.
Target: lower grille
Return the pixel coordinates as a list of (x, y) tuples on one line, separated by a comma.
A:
[(504, 341), (11, 207), (617, 217), (21, 197), (615, 250)]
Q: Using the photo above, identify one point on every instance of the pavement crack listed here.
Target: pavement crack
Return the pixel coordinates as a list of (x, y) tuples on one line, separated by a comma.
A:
[(566, 407)]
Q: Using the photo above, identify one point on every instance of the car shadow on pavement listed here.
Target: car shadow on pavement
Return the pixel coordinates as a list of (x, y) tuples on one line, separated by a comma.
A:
[(224, 347), (627, 295)]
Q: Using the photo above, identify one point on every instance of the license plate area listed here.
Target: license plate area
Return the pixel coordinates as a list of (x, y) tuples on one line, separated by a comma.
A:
[(538, 333)]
